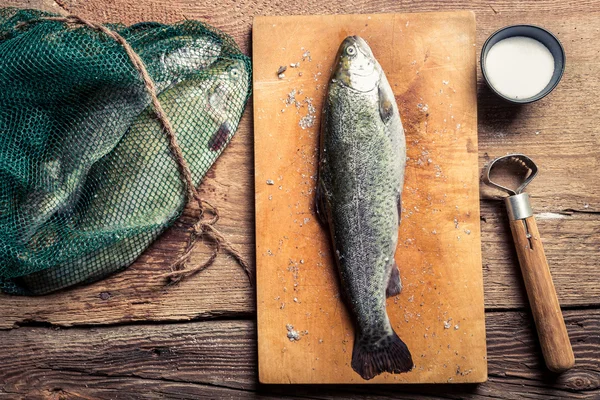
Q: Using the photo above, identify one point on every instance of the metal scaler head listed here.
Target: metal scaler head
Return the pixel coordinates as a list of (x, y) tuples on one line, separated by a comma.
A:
[(522, 160), (523, 169)]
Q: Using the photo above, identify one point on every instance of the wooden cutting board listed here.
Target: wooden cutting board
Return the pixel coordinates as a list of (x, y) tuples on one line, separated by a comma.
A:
[(430, 62)]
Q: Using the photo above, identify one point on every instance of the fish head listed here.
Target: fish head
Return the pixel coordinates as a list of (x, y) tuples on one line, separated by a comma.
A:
[(355, 66), (226, 98), (187, 55)]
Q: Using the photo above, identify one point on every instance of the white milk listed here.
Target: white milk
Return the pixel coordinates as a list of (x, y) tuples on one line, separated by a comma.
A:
[(519, 67)]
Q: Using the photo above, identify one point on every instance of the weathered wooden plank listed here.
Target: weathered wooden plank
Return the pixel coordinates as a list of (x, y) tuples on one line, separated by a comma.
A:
[(566, 147), (222, 290), (67, 385), (180, 360), (64, 387), (570, 242), (46, 5)]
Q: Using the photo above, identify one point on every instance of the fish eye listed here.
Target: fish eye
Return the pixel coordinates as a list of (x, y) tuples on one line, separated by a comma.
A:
[(351, 51), (234, 73)]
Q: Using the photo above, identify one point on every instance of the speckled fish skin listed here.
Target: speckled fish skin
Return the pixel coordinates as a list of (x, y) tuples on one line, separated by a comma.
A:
[(361, 175)]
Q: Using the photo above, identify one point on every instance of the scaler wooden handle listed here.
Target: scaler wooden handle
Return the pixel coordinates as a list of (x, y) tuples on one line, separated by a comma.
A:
[(548, 317)]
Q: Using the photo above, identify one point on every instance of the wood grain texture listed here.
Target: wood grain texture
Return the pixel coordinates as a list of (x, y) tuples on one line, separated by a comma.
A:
[(217, 359), (552, 333), (439, 313), (566, 147)]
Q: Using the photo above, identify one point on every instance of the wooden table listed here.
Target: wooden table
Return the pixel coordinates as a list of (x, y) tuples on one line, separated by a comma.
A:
[(128, 337)]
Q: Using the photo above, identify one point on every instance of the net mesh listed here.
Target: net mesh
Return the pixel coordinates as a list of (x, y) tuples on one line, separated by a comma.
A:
[(87, 179)]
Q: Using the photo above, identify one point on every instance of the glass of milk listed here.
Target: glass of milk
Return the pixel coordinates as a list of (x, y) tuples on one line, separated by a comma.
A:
[(522, 63)]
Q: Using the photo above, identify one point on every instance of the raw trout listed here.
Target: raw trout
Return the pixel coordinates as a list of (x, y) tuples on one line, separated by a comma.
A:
[(361, 175)]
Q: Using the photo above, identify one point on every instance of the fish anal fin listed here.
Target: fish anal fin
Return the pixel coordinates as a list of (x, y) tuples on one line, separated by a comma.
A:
[(394, 286)]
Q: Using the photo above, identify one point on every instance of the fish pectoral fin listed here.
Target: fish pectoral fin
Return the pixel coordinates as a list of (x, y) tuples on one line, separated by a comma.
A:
[(394, 286), (220, 137), (386, 105), (320, 206)]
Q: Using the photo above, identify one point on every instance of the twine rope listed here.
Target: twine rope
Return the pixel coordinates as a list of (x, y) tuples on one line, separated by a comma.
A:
[(203, 227)]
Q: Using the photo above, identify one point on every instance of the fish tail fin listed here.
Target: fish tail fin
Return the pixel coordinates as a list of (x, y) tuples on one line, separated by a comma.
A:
[(388, 354)]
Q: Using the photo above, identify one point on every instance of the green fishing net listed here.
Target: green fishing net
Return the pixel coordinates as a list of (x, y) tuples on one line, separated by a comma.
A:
[(87, 178)]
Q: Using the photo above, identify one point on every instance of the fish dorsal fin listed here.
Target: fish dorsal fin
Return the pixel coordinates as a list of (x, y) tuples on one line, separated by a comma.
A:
[(386, 104)]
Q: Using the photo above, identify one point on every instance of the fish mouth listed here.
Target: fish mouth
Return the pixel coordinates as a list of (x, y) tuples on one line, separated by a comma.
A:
[(362, 71), (362, 46)]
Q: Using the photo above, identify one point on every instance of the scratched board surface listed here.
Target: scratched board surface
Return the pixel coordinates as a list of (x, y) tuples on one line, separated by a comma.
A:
[(304, 331)]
